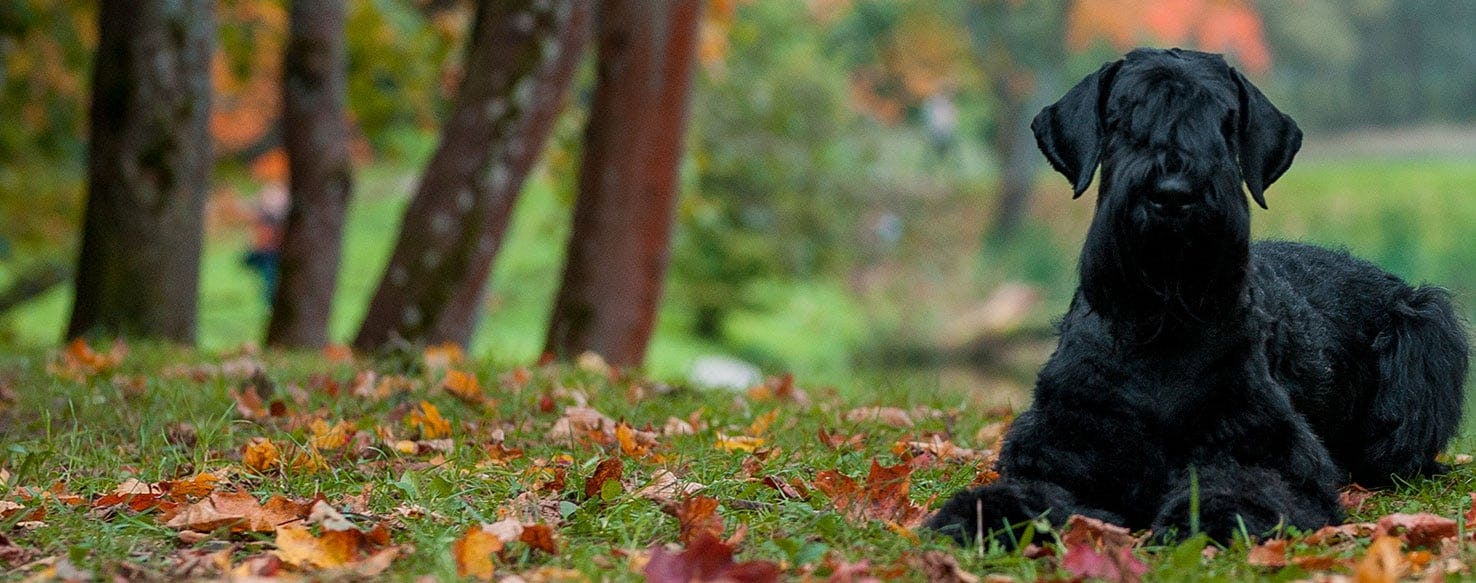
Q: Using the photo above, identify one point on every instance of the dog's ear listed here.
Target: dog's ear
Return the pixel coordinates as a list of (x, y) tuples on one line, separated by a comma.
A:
[(1069, 132), (1269, 139)]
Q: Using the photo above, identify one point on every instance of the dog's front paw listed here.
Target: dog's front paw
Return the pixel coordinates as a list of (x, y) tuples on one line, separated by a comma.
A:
[(1000, 511)]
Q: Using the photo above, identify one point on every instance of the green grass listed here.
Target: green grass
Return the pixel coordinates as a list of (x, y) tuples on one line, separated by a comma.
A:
[(89, 436)]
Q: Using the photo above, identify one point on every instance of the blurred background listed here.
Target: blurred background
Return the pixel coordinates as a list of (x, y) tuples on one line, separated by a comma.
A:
[(861, 201)]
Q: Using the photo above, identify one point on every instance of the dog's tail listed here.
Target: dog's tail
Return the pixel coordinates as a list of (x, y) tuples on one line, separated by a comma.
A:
[(1422, 356)]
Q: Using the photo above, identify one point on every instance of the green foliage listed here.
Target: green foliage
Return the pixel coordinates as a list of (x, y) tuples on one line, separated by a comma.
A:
[(780, 161)]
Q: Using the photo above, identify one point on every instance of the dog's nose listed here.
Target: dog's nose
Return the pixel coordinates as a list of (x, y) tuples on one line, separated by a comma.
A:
[(1171, 194)]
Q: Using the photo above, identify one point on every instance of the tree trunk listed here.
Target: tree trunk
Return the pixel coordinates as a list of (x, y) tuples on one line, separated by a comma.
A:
[(618, 250), (313, 87), (519, 64), (148, 165), (1014, 146)]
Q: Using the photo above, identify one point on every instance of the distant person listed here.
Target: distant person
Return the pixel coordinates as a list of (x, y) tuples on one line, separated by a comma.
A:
[(940, 116), (266, 236)]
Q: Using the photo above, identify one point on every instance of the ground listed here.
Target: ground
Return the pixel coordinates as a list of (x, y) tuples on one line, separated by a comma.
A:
[(150, 461)]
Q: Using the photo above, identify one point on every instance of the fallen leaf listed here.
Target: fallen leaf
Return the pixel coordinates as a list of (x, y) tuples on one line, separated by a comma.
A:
[(1270, 554), (761, 423), (838, 441), (1095, 533), (738, 443), (665, 488), (442, 356), (541, 537), (325, 437), (260, 455), (428, 421), (607, 470), (1353, 496), (1384, 563), (892, 416), (1416, 530), (884, 497), (1117, 564), (697, 517), (350, 550), (473, 552), (463, 386), (940, 567), (706, 559)]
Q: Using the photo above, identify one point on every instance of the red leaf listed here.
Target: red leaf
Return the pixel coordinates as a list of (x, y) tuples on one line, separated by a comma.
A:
[(706, 559), (1417, 530), (1119, 565), (1271, 554)]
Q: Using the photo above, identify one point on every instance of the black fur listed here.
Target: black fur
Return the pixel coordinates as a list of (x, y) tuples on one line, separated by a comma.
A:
[(1266, 375)]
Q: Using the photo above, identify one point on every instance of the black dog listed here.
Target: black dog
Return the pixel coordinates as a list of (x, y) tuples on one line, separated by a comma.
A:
[(1195, 367)]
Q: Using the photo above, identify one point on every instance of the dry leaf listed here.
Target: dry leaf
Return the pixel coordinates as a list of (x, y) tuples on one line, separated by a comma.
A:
[(706, 559), (473, 552), (884, 497), (697, 517), (665, 488), (1384, 563), (1270, 554), (463, 386), (260, 455), (325, 437), (428, 421), (607, 470), (1416, 530), (738, 443), (940, 567), (892, 416)]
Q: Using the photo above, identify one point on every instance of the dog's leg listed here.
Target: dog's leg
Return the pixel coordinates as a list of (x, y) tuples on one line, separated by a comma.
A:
[(1422, 357), (1225, 501), (1001, 511)]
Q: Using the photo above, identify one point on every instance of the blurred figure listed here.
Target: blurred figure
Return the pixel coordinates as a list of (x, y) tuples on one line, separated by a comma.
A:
[(940, 115), (266, 236)]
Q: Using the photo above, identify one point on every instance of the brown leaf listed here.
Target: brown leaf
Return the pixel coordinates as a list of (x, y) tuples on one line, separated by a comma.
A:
[(1095, 533), (697, 517), (706, 559), (428, 421), (665, 488), (1353, 496), (1270, 554), (884, 497), (541, 537), (838, 441), (325, 437), (892, 416), (1416, 530), (940, 567), (609, 469)]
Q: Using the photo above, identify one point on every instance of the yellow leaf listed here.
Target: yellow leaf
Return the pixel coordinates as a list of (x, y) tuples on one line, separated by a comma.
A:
[(325, 437), (739, 443), (762, 423)]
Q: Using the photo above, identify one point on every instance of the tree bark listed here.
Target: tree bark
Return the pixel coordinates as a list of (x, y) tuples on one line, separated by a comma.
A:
[(519, 65), (148, 165), (313, 85), (619, 247)]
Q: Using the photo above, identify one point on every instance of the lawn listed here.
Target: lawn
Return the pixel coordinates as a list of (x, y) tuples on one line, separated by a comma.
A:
[(413, 452)]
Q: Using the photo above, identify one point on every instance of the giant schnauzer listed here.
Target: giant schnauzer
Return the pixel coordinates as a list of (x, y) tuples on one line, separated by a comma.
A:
[(1197, 368)]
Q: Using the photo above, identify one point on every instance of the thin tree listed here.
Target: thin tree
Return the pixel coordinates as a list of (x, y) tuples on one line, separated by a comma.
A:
[(321, 173), (633, 142), (148, 165), (518, 68)]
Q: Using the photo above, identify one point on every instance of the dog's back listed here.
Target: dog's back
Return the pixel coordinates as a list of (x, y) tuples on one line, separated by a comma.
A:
[(1356, 346)]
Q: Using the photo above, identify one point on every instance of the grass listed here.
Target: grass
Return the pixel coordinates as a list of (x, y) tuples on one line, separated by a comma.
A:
[(89, 435)]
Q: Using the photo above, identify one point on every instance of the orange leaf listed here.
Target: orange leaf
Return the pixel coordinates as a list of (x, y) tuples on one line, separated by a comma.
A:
[(427, 418), (326, 437), (1270, 554), (473, 552), (463, 386), (1383, 563), (260, 455)]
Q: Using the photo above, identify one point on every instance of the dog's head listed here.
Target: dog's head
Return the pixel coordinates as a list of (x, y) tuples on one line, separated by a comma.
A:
[(1164, 124), (1176, 134)]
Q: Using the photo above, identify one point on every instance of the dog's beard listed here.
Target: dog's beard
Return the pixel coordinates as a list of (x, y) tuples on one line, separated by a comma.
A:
[(1166, 270)]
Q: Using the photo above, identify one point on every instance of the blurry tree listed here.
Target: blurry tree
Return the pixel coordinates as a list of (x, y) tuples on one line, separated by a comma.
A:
[(320, 172), (519, 65), (782, 163), (149, 161), (628, 179)]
